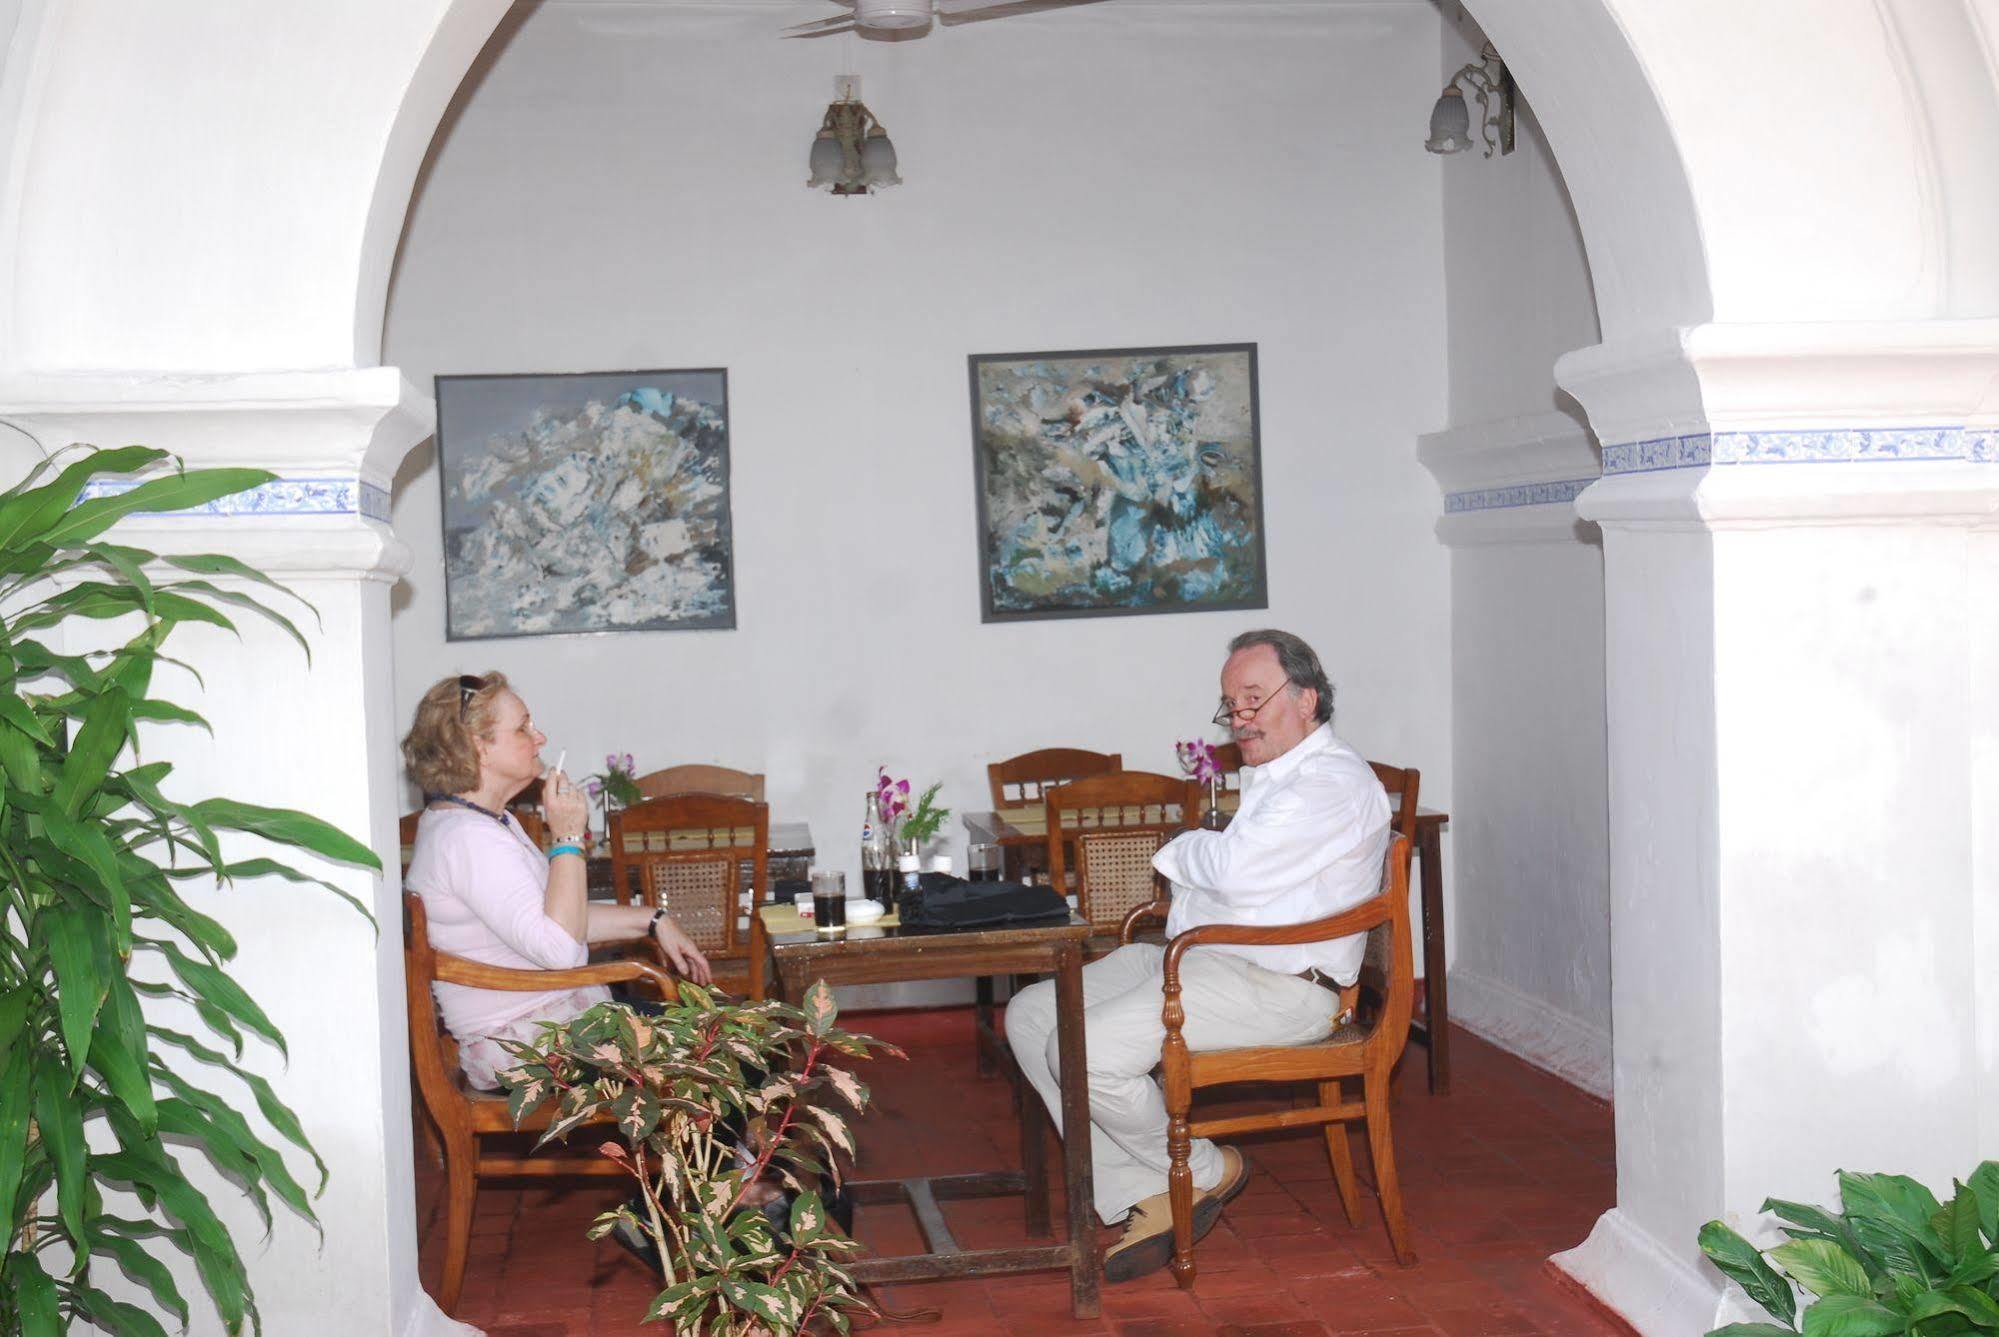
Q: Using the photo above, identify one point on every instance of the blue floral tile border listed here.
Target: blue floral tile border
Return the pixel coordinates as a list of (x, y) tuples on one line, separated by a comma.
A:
[(1525, 494), (1906, 444), (280, 497)]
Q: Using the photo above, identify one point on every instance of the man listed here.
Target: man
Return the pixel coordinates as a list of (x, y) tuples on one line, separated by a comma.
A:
[(1307, 842)]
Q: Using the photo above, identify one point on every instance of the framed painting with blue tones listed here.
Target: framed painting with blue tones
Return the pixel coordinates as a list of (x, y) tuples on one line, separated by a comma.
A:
[(586, 502), (1118, 481)]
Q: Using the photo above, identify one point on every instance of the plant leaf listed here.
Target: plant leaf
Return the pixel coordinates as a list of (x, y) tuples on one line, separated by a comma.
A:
[(175, 492), (286, 827), (1742, 1263), (59, 1120), (1822, 1267), (28, 515), (78, 956), (35, 1304), (276, 1113), (16, 1100), (1851, 1316), (216, 987)]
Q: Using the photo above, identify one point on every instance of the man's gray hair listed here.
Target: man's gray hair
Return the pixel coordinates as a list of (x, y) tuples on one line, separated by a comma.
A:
[(1301, 667)]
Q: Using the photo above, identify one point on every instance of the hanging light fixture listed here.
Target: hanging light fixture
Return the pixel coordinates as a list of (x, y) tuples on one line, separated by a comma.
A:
[(851, 154), (1450, 119)]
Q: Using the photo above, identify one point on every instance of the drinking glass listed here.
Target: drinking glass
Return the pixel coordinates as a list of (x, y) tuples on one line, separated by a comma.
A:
[(829, 902), (982, 863)]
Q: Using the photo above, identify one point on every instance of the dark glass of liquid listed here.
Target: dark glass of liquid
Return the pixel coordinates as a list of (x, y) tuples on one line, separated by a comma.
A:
[(829, 912), (982, 863)]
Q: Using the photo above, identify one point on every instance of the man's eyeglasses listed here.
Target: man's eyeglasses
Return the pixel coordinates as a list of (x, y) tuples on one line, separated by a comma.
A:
[(1228, 716)]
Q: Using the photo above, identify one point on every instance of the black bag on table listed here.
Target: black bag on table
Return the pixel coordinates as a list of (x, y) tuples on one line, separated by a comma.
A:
[(947, 903)]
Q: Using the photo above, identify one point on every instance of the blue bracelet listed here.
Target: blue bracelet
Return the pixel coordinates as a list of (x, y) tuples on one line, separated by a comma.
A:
[(559, 850)]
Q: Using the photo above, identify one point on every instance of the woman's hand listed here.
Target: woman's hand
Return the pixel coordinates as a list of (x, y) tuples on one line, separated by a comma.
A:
[(681, 951), (564, 806)]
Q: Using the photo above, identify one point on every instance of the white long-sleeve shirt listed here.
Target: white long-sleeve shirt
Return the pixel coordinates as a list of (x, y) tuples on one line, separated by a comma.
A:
[(1307, 842)]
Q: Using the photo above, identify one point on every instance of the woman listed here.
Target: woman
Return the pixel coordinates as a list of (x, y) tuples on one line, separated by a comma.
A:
[(489, 892)]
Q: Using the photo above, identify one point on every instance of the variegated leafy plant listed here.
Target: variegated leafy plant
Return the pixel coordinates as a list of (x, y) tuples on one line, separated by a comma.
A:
[(714, 1102), (92, 852)]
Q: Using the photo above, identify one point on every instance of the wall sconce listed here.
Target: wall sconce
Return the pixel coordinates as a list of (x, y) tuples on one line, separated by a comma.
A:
[(1450, 119), (851, 154)]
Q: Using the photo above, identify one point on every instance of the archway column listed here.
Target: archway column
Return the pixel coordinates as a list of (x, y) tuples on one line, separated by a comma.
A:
[(1801, 539), (316, 735)]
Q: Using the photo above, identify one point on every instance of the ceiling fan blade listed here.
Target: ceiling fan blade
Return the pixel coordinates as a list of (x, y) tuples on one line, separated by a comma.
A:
[(839, 23), (954, 12)]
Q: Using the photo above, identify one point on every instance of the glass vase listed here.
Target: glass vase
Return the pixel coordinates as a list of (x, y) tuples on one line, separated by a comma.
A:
[(1213, 818)]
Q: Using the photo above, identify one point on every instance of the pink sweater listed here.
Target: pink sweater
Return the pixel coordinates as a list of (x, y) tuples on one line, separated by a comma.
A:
[(482, 886)]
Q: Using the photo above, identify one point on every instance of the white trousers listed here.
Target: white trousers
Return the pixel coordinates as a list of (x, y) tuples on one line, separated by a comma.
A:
[(1230, 1004)]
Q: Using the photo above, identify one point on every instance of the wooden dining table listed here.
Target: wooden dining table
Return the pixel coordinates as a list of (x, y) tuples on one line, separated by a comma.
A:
[(1022, 831), (887, 952)]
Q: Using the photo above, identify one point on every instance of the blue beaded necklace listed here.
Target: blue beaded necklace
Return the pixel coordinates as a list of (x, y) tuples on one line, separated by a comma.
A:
[(466, 803)]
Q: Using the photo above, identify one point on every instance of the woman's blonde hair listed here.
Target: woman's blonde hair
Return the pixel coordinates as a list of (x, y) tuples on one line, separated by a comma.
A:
[(441, 749)]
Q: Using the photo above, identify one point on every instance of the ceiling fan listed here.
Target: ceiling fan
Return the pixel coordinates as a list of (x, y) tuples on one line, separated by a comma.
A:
[(907, 16)]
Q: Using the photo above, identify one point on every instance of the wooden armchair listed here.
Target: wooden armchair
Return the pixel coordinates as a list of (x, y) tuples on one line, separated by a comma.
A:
[(462, 1116), (1366, 1046), (697, 779), (1114, 824), (702, 856), (1402, 784), (529, 818)]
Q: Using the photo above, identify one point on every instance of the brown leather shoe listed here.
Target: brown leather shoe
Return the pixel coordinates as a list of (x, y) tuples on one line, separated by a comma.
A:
[(1147, 1242)]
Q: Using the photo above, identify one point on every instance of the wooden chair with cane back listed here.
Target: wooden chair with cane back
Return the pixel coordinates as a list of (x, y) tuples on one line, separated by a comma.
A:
[(1366, 1042), (1114, 824), (702, 779), (1021, 781), (706, 858), (461, 1117)]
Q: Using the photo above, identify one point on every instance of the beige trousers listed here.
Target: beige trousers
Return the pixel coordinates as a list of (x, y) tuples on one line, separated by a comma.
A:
[(1230, 1004)]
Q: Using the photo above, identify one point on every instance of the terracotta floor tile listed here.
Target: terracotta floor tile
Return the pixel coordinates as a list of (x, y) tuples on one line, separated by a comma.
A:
[(1512, 1166)]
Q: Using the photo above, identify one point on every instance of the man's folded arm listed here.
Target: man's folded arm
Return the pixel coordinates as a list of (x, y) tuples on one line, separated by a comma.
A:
[(1293, 835)]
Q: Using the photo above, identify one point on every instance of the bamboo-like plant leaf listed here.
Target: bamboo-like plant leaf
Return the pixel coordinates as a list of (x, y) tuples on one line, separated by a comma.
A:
[(119, 1059), (1743, 1264), (276, 1113), (166, 712), (128, 1320), (218, 564), (77, 955), (1754, 1330), (214, 986), (110, 1240), (17, 1091), (36, 1308), (286, 827), (242, 600), (28, 515), (15, 711), (242, 1140), (93, 749), (176, 492), (59, 1121), (253, 868)]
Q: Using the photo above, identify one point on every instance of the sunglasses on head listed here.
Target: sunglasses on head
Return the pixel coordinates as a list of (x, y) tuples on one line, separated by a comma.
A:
[(469, 686)]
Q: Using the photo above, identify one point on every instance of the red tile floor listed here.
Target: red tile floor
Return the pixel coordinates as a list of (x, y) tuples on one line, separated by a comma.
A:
[(1511, 1166)]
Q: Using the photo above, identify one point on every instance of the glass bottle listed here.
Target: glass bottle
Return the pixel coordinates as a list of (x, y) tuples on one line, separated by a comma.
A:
[(909, 875), (877, 858)]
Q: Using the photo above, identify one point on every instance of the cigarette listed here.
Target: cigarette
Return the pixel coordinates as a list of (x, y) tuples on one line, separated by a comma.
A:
[(561, 757)]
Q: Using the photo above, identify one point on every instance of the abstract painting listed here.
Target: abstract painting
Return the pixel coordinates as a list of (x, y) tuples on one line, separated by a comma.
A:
[(1118, 481), (594, 501)]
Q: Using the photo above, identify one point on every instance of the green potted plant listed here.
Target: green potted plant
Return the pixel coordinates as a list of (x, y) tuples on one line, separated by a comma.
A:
[(714, 1102), (92, 852), (1893, 1259)]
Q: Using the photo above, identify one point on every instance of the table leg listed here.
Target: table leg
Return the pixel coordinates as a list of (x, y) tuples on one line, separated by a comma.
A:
[(1438, 1019), (1033, 1159), (982, 1015), (759, 956), (1075, 1079)]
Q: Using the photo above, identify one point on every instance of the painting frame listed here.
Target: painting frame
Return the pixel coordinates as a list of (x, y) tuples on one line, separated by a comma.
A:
[(467, 429), (1256, 595)]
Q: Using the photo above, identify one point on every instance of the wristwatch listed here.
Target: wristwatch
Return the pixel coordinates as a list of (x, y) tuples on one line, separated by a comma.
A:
[(652, 925)]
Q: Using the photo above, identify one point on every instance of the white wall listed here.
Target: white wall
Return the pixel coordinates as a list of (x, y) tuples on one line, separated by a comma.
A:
[(1530, 918), (623, 188)]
